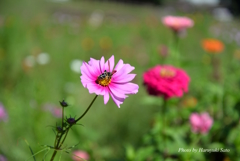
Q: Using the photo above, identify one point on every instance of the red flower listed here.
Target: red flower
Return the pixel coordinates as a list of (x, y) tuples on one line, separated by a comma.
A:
[(166, 81)]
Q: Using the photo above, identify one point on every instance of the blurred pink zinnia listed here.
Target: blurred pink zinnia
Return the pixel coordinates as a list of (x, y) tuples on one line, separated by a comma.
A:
[(166, 81), (102, 78), (177, 23), (201, 122), (80, 155)]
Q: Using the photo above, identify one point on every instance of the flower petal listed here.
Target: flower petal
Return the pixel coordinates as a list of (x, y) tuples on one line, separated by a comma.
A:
[(102, 64), (124, 79), (95, 88), (111, 63), (86, 70), (119, 65), (106, 96), (117, 100), (85, 80), (126, 88), (95, 65), (116, 91), (126, 68)]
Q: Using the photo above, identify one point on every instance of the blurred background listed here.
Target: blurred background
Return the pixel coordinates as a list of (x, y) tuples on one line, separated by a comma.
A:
[(43, 44)]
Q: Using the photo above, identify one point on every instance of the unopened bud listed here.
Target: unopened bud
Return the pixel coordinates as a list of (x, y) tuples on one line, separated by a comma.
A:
[(63, 103)]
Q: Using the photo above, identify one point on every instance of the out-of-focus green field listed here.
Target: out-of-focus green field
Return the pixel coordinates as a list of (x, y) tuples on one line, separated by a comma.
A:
[(129, 32)]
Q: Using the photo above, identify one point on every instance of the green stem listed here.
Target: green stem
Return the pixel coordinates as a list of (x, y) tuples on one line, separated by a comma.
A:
[(60, 138), (59, 142), (55, 140), (198, 139), (54, 154), (216, 71), (163, 127), (65, 136), (87, 109), (176, 47), (62, 116)]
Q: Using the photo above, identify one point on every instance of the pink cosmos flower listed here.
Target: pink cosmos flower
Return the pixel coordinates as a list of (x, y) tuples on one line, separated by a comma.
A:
[(166, 81), (3, 113), (177, 23), (201, 122), (80, 155), (102, 78)]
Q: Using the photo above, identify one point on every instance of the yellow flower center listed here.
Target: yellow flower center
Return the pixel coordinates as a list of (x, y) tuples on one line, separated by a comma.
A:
[(104, 79), (167, 73), (104, 82)]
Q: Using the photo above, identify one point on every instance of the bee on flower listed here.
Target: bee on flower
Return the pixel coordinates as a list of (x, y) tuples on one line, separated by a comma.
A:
[(102, 78)]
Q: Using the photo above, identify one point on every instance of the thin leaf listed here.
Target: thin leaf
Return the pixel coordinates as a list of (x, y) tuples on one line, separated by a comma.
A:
[(47, 148), (45, 155), (30, 149)]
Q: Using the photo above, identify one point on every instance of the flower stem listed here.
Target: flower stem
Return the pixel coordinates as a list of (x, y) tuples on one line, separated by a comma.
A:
[(62, 116), (87, 109), (65, 137), (163, 127), (176, 48), (216, 71), (60, 141), (54, 154)]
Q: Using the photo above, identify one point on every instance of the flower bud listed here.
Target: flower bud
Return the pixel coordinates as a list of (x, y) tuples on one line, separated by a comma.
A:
[(59, 129), (71, 120), (63, 103)]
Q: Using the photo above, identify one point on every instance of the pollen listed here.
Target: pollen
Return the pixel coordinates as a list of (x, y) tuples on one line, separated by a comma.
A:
[(167, 73), (104, 82)]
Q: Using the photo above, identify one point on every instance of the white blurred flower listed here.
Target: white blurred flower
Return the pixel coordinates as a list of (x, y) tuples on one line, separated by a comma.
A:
[(203, 2), (43, 58), (75, 65), (62, 17), (29, 61), (237, 38), (96, 18), (222, 14)]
